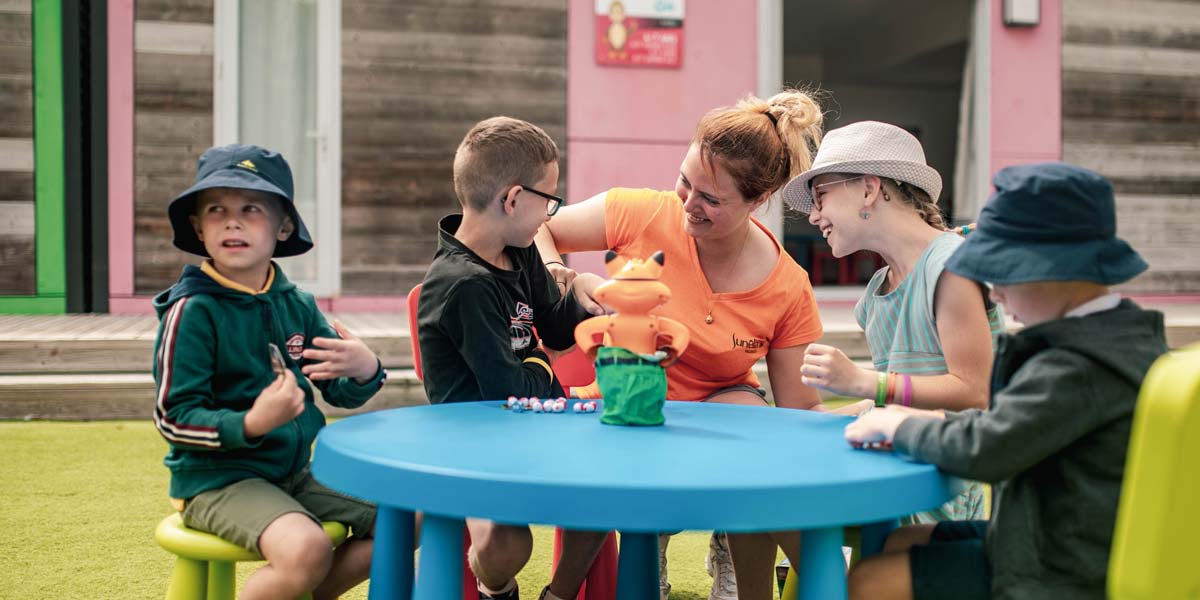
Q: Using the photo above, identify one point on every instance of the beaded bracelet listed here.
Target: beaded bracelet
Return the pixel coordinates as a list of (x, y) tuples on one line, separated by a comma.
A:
[(881, 388), (906, 400)]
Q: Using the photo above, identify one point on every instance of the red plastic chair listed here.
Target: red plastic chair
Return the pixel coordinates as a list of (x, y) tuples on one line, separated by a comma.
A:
[(573, 370)]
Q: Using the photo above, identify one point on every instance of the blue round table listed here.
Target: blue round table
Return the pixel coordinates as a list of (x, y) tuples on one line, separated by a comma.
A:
[(711, 467)]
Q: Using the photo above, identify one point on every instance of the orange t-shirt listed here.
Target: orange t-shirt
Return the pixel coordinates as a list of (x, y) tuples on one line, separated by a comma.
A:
[(780, 313)]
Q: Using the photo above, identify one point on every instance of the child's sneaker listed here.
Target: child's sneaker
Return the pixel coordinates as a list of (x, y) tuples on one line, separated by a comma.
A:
[(510, 593), (719, 565)]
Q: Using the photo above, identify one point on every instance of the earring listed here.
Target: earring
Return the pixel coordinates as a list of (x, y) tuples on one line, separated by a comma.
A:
[(864, 214)]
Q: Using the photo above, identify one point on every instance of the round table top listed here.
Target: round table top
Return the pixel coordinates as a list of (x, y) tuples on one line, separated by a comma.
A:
[(712, 466)]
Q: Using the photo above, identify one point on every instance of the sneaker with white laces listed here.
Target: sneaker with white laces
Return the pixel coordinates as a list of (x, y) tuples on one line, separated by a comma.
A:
[(511, 592), (664, 586), (719, 565)]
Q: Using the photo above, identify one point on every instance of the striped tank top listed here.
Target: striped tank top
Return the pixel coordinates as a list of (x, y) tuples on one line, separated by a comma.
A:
[(902, 336)]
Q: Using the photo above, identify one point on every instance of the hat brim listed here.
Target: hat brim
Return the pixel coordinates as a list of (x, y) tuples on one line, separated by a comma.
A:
[(995, 260), (184, 206), (797, 193)]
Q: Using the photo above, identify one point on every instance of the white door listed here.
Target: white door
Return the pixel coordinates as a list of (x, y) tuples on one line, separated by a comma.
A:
[(277, 84)]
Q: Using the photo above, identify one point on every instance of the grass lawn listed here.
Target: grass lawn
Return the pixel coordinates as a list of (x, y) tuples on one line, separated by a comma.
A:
[(81, 500)]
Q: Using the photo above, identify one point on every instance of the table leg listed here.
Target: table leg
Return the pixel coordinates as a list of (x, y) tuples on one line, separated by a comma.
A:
[(874, 535), (440, 576), (822, 570), (637, 567), (392, 557)]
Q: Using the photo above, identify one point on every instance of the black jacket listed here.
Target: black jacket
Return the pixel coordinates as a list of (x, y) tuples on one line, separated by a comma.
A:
[(1054, 443), (475, 323)]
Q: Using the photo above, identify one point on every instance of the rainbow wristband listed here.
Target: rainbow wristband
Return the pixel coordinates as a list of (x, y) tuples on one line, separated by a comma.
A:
[(881, 389)]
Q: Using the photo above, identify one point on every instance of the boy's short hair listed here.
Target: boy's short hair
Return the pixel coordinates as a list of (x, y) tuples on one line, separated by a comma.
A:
[(499, 152)]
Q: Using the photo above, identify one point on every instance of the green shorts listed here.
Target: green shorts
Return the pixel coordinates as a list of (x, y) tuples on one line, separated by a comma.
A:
[(240, 512)]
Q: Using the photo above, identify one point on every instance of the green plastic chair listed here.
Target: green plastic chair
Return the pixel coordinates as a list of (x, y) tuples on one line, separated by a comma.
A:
[(1154, 544), (205, 564)]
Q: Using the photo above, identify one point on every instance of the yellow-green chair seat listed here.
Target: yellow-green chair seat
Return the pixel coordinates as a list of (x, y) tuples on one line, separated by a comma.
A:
[(205, 564)]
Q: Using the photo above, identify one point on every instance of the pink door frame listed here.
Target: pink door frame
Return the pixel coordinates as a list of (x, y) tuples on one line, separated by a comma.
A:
[(1026, 88)]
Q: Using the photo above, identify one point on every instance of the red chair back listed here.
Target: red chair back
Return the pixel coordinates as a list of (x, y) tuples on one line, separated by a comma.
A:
[(573, 369), (413, 296)]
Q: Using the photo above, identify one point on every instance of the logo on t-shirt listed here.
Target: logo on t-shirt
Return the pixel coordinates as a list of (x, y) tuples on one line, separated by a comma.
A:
[(750, 346), (520, 328), (295, 346)]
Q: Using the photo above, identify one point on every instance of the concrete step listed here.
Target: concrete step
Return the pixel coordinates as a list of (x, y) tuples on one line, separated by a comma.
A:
[(123, 344), (98, 366), (132, 395)]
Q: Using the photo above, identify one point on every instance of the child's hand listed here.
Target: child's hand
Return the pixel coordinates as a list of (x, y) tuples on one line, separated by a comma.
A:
[(277, 404), (584, 287), (878, 425), (345, 357), (562, 275), (828, 368)]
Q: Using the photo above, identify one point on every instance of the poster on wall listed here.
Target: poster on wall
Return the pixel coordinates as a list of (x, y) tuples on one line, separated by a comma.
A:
[(639, 33)]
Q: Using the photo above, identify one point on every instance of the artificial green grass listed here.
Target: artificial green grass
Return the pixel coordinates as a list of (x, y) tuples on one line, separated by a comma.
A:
[(80, 502)]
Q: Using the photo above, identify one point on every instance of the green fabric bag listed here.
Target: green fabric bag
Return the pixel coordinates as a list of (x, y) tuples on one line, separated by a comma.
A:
[(634, 389)]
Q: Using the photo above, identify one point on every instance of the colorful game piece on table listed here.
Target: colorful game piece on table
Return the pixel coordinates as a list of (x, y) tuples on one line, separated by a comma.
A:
[(881, 446), (537, 405)]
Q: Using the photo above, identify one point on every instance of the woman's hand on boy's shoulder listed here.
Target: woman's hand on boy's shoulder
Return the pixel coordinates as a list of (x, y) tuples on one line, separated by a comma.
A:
[(584, 287), (346, 356)]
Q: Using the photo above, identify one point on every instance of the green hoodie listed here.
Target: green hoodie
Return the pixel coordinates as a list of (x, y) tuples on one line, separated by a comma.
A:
[(1054, 443), (211, 361)]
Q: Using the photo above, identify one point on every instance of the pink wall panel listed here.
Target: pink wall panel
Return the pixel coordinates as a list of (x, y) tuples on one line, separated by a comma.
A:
[(629, 126), (120, 151), (1026, 88), (628, 103)]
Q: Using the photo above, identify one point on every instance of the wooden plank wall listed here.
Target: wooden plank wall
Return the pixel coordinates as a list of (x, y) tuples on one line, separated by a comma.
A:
[(416, 75), (17, 268), (173, 125), (1131, 110)]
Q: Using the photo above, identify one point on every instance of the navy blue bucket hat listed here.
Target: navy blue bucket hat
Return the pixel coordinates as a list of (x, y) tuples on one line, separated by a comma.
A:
[(1047, 222), (243, 167)]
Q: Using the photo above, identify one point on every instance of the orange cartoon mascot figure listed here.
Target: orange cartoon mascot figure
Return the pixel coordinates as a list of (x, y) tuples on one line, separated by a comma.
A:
[(631, 347)]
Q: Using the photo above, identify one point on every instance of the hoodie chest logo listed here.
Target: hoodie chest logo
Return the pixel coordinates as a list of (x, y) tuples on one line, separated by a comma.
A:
[(295, 346), (520, 327)]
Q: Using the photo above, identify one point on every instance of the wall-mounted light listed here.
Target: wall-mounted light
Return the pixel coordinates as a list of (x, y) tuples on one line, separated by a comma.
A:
[(1022, 13)]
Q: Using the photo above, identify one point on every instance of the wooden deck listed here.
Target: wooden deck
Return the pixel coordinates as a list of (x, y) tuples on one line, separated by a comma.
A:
[(98, 366)]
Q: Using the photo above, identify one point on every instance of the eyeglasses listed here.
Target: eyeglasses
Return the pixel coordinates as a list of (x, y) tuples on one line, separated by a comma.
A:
[(817, 201), (552, 201)]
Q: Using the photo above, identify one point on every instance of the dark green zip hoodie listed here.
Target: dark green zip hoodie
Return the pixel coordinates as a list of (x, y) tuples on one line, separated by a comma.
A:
[(1054, 443), (211, 361)]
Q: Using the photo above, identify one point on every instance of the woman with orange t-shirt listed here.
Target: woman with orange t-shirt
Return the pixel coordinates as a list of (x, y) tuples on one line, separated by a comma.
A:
[(732, 284)]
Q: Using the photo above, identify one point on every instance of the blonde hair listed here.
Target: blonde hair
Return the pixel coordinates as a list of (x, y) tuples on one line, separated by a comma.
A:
[(763, 144), (497, 153), (916, 198)]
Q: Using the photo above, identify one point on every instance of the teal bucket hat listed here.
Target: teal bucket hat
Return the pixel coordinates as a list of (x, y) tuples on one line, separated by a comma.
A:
[(239, 166), (1047, 222)]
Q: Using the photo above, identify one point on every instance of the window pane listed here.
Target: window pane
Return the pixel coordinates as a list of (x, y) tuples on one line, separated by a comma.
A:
[(277, 102)]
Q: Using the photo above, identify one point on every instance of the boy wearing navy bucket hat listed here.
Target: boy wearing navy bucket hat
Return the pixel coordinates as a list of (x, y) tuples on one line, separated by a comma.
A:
[(1053, 442), (237, 347)]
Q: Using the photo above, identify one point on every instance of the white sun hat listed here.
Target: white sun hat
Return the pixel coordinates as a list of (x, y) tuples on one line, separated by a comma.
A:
[(866, 148)]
